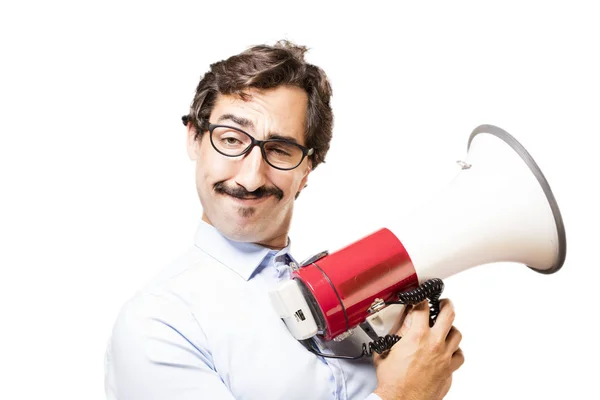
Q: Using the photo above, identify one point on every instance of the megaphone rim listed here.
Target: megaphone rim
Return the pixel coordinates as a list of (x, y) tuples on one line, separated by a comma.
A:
[(537, 172)]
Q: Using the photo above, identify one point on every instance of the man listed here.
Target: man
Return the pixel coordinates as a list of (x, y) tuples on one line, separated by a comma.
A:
[(259, 123)]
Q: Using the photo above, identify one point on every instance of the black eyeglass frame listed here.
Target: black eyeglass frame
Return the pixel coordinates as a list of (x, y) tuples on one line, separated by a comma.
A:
[(260, 143)]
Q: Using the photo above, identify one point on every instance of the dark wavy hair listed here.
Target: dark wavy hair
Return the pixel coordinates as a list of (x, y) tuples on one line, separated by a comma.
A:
[(266, 67)]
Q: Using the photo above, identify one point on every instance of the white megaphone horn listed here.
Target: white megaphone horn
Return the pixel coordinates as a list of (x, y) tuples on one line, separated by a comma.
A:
[(499, 208)]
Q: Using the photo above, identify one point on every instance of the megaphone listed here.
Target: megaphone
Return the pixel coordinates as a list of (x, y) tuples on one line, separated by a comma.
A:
[(499, 208)]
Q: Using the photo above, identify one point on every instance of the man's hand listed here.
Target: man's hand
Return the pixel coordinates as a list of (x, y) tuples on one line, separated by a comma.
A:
[(420, 365)]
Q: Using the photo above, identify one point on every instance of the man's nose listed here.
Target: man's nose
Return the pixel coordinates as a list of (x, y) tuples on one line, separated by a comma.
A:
[(251, 174)]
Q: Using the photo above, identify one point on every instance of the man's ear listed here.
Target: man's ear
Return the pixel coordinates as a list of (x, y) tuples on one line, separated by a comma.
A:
[(306, 173), (304, 178), (193, 144)]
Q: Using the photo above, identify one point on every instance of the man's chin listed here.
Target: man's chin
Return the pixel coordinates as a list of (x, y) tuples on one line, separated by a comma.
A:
[(242, 233), (242, 225)]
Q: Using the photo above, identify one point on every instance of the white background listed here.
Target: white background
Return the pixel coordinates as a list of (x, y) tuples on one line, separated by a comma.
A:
[(97, 193)]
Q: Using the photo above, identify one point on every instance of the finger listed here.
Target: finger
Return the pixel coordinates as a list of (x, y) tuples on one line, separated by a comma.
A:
[(453, 339), (445, 318), (376, 359), (419, 317), (405, 322), (458, 359)]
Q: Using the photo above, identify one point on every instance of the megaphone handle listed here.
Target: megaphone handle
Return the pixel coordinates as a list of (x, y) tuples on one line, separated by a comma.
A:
[(431, 290), (381, 345)]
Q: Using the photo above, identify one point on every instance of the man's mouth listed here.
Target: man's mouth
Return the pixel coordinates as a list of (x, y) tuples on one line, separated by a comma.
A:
[(249, 200)]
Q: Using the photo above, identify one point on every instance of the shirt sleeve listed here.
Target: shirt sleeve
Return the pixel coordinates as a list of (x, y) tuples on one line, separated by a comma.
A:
[(157, 351), (373, 396)]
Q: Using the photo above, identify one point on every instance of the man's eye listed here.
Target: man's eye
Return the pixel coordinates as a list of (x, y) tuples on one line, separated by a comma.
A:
[(231, 141), (279, 151)]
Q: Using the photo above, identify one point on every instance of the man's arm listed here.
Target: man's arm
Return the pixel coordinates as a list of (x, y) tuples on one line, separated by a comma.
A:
[(158, 351)]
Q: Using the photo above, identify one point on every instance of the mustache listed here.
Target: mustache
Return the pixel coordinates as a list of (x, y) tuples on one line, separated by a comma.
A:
[(240, 192)]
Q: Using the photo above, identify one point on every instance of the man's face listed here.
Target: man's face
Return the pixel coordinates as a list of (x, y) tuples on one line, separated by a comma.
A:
[(245, 198)]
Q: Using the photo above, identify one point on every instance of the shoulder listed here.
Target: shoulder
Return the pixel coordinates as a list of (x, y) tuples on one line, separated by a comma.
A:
[(170, 319), (180, 300), (192, 277), (150, 325), (153, 330), (177, 292)]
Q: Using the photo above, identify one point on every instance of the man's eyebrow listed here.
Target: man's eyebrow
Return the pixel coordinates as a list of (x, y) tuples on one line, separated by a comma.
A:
[(278, 136), (241, 121)]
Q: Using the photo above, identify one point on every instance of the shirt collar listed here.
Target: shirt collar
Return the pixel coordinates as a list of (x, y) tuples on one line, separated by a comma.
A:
[(242, 257)]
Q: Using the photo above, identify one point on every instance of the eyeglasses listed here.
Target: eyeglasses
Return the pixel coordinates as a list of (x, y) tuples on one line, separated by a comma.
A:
[(278, 153)]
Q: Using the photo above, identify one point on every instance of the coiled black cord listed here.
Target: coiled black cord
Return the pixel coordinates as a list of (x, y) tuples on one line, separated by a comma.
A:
[(431, 290), (381, 345)]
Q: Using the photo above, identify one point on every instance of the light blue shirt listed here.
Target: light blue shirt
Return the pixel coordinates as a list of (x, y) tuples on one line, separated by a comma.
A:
[(204, 328)]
